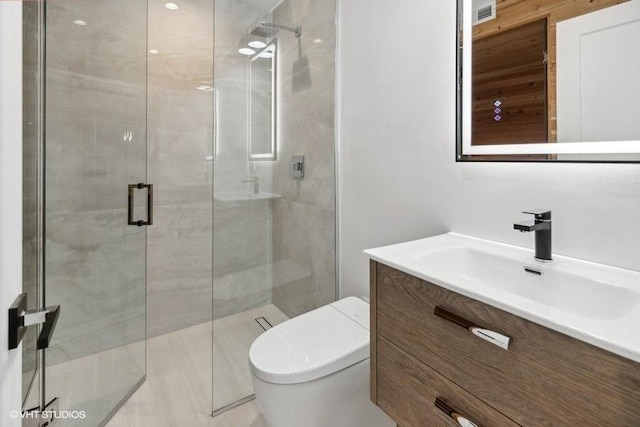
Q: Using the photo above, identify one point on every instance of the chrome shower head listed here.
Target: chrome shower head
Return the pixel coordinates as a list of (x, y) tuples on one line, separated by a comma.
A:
[(267, 30), (261, 29)]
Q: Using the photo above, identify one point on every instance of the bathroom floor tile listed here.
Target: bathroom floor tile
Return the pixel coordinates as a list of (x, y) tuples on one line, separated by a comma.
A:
[(178, 390)]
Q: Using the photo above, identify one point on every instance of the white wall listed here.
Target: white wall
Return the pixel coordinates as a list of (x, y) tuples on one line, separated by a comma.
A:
[(10, 200), (398, 176)]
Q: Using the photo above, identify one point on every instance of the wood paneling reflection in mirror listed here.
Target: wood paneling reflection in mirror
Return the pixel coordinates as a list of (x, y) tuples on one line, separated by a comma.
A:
[(510, 86), (513, 16)]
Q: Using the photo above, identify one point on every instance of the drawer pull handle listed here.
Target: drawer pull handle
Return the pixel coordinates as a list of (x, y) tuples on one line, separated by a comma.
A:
[(453, 414), (493, 337)]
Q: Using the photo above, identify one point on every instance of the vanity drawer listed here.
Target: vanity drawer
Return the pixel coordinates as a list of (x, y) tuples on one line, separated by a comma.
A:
[(408, 389), (544, 378)]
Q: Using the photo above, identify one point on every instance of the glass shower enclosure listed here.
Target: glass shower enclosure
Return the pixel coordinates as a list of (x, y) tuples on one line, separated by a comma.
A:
[(86, 202), (227, 108), (274, 196)]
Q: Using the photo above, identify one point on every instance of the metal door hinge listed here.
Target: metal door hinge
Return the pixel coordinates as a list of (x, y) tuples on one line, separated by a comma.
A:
[(20, 319)]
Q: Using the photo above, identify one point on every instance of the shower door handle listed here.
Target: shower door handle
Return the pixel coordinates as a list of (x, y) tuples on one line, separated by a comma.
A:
[(140, 186)]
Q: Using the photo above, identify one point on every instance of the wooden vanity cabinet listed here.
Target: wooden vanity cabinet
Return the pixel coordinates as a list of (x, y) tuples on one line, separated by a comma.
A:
[(409, 390), (544, 378)]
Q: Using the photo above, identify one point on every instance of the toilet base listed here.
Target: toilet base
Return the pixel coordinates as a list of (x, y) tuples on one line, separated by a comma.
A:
[(337, 400)]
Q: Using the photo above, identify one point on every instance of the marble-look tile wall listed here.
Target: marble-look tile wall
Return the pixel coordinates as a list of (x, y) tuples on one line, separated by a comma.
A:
[(95, 94), (242, 245), (94, 262), (179, 126), (304, 218), (253, 251)]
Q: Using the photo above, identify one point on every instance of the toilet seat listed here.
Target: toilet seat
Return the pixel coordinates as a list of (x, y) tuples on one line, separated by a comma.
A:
[(313, 345)]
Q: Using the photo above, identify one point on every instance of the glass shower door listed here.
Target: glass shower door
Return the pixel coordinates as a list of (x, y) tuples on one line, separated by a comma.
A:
[(274, 193), (95, 233)]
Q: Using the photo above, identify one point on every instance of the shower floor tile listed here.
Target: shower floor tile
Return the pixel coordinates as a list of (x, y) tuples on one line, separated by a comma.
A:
[(180, 373)]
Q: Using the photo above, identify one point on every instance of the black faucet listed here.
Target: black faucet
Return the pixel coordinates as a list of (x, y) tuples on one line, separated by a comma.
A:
[(542, 227)]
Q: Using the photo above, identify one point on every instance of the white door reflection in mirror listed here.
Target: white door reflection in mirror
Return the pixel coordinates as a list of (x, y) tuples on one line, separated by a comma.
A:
[(598, 84)]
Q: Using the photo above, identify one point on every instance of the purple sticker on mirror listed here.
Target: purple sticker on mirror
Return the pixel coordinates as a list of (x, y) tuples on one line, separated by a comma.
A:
[(497, 111), (497, 103), (497, 118)]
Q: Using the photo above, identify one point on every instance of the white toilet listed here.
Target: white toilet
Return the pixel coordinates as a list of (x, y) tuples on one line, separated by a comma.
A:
[(313, 370)]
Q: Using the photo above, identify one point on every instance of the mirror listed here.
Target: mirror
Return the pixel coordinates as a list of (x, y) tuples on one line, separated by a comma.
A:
[(262, 104), (548, 80)]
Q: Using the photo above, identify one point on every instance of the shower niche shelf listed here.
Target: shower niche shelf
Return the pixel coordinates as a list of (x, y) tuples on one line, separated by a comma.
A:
[(241, 196)]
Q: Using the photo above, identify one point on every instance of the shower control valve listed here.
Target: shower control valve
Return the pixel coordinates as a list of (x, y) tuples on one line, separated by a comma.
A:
[(296, 170)]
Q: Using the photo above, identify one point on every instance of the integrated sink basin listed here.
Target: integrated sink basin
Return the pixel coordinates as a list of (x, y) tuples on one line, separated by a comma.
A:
[(552, 284), (592, 302)]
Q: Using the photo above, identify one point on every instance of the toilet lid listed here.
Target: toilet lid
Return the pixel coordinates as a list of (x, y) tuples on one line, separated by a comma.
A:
[(313, 345)]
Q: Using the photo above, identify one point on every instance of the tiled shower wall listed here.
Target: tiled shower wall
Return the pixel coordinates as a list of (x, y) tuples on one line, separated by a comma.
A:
[(95, 93), (280, 250), (242, 248), (179, 123), (304, 218)]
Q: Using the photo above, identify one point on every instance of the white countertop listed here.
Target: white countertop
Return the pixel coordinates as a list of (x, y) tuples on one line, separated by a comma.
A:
[(613, 326)]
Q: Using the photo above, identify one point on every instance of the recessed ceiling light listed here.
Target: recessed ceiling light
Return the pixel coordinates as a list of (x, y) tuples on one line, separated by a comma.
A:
[(205, 88), (257, 44), (171, 6), (80, 22), (266, 55), (246, 51), (317, 41), (154, 51)]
